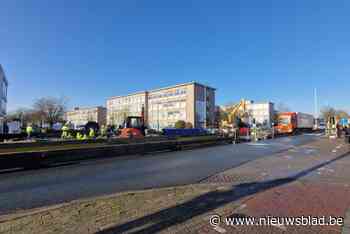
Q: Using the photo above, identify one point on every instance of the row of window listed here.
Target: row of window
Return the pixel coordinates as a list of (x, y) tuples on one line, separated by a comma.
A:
[(262, 112), (126, 100), (82, 112), (81, 116), (3, 89), (167, 105), (127, 108), (2, 107), (176, 92), (167, 115)]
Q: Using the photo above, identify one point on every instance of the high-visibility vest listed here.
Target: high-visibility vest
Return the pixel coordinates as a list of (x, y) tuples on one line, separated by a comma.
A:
[(64, 128), (92, 132), (29, 129), (79, 136)]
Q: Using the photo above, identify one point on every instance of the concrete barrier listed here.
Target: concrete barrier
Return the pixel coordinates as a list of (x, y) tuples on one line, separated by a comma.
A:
[(41, 158), (43, 143)]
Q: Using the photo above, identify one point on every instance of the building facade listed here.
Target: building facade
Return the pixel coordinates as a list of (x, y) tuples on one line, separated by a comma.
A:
[(119, 107), (262, 112), (81, 116), (3, 98), (191, 102)]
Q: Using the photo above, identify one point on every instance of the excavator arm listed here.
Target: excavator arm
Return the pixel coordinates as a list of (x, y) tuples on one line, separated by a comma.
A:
[(236, 112)]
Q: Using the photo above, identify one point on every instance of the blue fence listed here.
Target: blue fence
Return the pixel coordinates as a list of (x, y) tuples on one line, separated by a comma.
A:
[(173, 132)]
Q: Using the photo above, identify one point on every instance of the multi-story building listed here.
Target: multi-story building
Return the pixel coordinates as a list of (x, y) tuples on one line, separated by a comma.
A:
[(191, 102), (3, 98), (119, 107), (261, 112), (81, 116)]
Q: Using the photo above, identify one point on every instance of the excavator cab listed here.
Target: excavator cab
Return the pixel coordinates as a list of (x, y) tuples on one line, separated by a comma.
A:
[(133, 127)]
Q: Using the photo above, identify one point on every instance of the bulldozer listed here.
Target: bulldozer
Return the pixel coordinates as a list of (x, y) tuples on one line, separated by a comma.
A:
[(134, 126)]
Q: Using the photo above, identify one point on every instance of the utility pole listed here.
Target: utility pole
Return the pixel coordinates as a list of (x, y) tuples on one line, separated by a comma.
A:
[(158, 116), (316, 108), (316, 102)]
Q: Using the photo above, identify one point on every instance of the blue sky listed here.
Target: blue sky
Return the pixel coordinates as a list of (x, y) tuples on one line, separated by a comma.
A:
[(260, 50)]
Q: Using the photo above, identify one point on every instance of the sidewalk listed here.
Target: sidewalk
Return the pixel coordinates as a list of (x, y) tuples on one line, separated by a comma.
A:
[(312, 179)]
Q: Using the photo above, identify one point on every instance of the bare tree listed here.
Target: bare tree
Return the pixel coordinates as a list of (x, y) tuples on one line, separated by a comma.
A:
[(50, 109), (341, 114), (223, 115), (281, 107)]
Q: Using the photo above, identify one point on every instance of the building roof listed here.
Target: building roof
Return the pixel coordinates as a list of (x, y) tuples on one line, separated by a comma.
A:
[(85, 108), (127, 95), (183, 84), (160, 89)]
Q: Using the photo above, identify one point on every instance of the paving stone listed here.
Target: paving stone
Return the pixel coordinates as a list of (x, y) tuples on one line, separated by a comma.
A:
[(308, 180)]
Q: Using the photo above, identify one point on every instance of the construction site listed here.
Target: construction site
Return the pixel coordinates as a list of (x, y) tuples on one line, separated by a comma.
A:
[(180, 117)]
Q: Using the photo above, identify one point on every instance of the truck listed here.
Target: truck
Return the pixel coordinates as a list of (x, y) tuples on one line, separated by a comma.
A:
[(293, 122)]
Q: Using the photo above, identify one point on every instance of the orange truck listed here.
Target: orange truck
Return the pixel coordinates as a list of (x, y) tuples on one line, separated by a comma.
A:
[(293, 122)]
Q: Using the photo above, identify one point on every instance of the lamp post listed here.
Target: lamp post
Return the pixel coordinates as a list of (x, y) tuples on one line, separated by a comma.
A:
[(158, 116)]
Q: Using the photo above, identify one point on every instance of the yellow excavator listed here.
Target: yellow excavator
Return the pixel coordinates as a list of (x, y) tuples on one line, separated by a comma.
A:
[(237, 116)]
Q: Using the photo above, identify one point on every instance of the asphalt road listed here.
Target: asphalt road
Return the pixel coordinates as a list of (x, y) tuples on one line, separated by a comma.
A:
[(35, 188)]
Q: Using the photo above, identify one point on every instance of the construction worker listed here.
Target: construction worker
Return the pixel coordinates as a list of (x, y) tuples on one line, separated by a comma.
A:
[(29, 131), (92, 133), (103, 131), (84, 137), (254, 132), (79, 136), (65, 130), (347, 134)]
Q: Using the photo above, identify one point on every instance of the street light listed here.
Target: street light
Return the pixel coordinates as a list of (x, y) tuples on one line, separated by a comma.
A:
[(158, 116)]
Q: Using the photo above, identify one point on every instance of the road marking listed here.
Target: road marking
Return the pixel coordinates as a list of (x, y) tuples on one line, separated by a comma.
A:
[(258, 144), (312, 134), (288, 157)]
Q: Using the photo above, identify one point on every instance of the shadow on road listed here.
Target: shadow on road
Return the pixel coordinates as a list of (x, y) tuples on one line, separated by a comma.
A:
[(205, 203), (16, 170)]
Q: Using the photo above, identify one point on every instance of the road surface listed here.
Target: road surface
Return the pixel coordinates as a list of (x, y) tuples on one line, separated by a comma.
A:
[(36, 188)]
